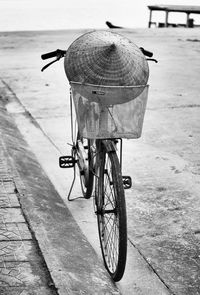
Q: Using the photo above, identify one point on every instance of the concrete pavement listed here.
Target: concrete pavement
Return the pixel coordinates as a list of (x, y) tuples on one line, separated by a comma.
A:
[(163, 205)]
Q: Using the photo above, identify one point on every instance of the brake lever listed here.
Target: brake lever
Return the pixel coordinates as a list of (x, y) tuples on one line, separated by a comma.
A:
[(46, 66), (152, 59)]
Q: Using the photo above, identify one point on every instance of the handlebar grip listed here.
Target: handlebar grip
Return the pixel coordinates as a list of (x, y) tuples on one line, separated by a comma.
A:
[(146, 52), (49, 54)]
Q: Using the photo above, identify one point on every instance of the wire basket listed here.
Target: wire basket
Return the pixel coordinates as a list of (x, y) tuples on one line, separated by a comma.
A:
[(109, 111)]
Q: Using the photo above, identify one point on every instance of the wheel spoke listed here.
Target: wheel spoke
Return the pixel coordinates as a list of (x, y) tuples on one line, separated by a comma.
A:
[(112, 248), (107, 186), (110, 242)]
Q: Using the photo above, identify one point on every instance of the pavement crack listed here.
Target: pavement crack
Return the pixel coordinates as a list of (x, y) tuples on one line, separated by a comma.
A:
[(151, 267), (185, 106), (175, 107), (51, 283)]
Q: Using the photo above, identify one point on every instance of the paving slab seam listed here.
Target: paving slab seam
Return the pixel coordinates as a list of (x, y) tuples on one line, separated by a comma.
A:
[(36, 243)]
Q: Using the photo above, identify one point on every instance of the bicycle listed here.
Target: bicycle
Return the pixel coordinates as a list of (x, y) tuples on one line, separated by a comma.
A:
[(95, 152)]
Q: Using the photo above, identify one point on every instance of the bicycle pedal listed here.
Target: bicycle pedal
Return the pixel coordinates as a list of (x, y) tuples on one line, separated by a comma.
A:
[(127, 182), (67, 162)]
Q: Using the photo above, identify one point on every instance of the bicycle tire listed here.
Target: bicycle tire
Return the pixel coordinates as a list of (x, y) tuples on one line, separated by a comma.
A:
[(86, 174), (111, 212)]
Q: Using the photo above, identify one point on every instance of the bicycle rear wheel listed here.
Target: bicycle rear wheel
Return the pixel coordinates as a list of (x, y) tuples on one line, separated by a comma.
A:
[(111, 212), (85, 164)]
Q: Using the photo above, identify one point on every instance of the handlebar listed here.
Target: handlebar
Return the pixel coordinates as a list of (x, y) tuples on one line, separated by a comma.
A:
[(57, 53), (61, 53), (146, 52), (149, 54)]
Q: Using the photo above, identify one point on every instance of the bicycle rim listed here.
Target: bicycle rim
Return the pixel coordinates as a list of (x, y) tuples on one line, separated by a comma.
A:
[(111, 214)]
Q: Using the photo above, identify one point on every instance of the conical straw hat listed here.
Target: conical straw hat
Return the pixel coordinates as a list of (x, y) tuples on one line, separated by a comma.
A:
[(106, 58)]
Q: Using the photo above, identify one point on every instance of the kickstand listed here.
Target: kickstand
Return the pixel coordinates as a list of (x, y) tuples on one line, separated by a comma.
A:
[(74, 178)]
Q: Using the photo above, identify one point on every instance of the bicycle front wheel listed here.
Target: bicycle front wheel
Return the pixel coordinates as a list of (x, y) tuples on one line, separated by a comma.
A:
[(111, 212)]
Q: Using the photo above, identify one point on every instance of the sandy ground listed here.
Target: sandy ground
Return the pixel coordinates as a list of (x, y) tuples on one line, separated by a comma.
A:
[(163, 205)]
